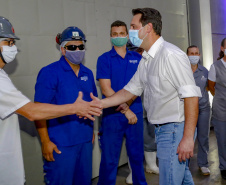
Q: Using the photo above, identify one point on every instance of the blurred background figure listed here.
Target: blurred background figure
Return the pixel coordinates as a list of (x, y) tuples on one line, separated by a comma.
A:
[(200, 74), (217, 87)]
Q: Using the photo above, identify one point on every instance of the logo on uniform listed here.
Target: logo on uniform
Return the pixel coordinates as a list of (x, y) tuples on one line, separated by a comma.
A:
[(13, 30), (84, 78), (133, 61), (203, 78), (75, 34)]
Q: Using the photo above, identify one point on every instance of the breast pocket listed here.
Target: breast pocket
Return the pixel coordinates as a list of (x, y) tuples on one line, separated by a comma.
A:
[(86, 87), (153, 84)]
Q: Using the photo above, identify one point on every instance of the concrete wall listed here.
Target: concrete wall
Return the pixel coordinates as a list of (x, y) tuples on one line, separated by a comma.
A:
[(37, 22)]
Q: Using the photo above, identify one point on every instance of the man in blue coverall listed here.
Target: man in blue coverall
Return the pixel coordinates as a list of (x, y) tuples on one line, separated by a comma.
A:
[(66, 141), (200, 74), (114, 70)]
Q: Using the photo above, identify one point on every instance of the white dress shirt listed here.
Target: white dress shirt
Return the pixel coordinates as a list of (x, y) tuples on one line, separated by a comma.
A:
[(165, 76), (212, 71), (11, 159)]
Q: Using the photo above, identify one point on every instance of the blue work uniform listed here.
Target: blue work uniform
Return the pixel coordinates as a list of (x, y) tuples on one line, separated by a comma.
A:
[(115, 125), (57, 84), (203, 124)]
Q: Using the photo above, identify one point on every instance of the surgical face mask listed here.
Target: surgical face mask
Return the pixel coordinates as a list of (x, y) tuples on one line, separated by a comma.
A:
[(194, 59), (119, 41), (134, 37), (225, 52), (75, 57), (9, 53)]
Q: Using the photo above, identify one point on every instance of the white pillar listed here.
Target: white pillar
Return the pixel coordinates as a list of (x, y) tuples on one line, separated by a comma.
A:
[(206, 33)]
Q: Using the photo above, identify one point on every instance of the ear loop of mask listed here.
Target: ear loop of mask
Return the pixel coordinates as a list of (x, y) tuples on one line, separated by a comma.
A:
[(2, 39), (2, 57), (146, 33)]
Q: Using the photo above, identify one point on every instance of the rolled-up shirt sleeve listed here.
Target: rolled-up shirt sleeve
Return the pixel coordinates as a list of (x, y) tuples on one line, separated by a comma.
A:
[(135, 85), (212, 74), (178, 72), (11, 99)]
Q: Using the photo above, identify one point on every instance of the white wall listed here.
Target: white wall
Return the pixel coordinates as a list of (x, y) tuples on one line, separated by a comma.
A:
[(37, 22)]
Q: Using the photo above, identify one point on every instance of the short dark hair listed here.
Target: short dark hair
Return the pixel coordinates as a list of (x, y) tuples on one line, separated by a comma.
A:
[(150, 15), (192, 46), (221, 53), (119, 23)]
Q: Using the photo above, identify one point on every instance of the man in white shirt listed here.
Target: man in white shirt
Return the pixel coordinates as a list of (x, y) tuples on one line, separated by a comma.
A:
[(13, 101), (170, 96)]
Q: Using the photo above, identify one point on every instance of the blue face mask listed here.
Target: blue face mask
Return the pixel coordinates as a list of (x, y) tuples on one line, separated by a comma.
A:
[(134, 38), (75, 57), (119, 41)]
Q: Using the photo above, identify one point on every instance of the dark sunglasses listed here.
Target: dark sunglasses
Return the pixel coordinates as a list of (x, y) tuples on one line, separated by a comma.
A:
[(10, 42), (74, 47)]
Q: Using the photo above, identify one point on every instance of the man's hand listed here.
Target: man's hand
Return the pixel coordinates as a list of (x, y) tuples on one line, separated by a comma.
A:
[(185, 149), (47, 150), (93, 138), (96, 102), (122, 108), (87, 109), (132, 118)]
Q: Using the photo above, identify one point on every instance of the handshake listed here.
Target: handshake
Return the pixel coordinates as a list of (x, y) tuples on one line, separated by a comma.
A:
[(84, 109), (87, 110)]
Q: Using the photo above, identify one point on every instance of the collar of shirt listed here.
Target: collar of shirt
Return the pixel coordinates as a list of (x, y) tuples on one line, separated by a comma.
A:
[(154, 48), (67, 67), (199, 68), (114, 53), (223, 62)]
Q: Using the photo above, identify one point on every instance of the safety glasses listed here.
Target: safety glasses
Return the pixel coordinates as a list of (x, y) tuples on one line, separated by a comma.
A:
[(74, 47)]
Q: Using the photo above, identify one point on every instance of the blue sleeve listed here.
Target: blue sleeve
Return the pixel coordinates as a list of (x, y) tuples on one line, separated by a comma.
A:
[(94, 87), (103, 68), (45, 87)]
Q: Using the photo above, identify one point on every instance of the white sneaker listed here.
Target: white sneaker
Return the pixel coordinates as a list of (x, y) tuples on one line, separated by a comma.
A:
[(205, 170), (150, 158), (129, 179), (154, 170)]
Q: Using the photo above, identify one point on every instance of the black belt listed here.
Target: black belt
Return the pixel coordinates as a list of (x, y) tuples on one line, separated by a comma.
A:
[(159, 125)]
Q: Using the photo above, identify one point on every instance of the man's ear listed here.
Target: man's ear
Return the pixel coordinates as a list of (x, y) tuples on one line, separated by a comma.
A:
[(149, 27), (63, 51)]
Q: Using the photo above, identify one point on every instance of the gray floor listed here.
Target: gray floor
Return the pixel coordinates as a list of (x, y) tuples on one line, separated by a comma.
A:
[(199, 179)]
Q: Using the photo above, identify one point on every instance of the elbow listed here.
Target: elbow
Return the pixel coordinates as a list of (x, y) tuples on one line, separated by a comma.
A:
[(104, 92)]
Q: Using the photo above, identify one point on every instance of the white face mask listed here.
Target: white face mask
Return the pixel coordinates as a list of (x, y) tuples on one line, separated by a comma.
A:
[(194, 59), (9, 53), (225, 52)]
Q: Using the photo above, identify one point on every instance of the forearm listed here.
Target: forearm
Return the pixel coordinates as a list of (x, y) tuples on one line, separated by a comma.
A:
[(118, 98), (41, 127), (211, 87), (212, 90), (191, 110), (107, 92), (42, 111)]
